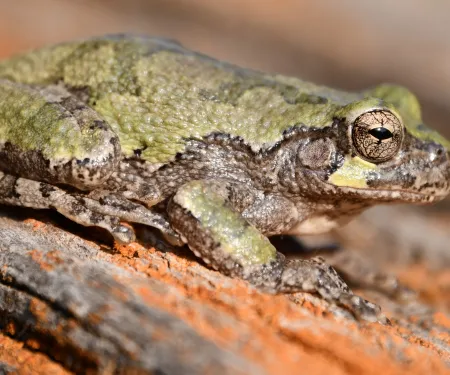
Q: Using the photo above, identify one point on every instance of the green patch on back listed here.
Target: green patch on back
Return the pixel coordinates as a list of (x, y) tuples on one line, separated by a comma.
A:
[(183, 97), (41, 66), (30, 122), (156, 95)]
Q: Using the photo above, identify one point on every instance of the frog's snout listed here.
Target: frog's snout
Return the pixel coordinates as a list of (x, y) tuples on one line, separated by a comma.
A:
[(445, 162), (437, 153)]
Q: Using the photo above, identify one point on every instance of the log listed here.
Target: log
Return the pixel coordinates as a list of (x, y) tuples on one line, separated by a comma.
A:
[(76, 303)]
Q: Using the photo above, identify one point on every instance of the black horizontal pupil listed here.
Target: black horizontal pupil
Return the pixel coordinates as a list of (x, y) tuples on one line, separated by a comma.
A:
[(381, 133)]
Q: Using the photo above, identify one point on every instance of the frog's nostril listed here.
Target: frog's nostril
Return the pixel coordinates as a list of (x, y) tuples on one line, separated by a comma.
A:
[(437, 153), (438, 150)]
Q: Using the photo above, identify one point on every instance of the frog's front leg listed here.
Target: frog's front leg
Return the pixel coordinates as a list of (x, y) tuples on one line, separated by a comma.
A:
[(202, 214)]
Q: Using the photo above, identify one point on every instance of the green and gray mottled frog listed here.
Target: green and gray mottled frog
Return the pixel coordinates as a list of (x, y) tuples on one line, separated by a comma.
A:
[(142, 130)]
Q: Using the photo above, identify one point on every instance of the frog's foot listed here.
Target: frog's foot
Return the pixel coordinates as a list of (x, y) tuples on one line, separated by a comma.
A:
[(358, 272), (314, 275), (200, 212), (101, 209), (116, 205)]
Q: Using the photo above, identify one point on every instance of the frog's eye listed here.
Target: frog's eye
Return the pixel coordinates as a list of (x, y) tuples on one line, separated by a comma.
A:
[(377, 135)]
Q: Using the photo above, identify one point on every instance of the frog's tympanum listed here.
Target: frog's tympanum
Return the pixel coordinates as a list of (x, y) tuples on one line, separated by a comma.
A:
[(142, 130)]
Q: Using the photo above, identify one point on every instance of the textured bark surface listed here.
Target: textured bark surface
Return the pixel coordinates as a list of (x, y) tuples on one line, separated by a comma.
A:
[(72, 304)]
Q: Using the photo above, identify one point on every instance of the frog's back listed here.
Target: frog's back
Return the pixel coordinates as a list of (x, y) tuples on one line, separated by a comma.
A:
[(155, 94)]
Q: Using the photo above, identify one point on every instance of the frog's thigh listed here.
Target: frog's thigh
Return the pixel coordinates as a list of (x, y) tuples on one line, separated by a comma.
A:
[(19, 191), (202, 215), (53, 136)]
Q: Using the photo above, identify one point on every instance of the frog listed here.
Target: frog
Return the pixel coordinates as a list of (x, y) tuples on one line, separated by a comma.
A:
[(125, 129)]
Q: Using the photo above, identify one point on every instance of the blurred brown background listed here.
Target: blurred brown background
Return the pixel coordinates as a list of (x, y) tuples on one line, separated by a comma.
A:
[(349, 44)]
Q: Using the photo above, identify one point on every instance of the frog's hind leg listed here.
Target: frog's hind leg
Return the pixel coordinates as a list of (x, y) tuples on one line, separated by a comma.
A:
[(98, 208), (117, 205), (203, 216), (52, 136), (64, 142), (19, 191)]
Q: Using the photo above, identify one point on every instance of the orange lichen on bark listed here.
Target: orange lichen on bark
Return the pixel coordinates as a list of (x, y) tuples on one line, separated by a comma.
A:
[(280, 333), (15, 354), (442, 320), (39, 309), (46, 260), (291, 336), (35, 224)]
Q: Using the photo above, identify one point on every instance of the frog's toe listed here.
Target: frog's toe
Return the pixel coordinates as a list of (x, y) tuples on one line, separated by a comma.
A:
[(358, 271), (361, 308), (29, 193), (118, 206), (123, 234), (316, 276), (405, 294), (391, 287), (81, 213)]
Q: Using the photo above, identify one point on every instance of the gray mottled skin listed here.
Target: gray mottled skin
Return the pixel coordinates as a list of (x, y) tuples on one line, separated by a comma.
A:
[(142, 130)]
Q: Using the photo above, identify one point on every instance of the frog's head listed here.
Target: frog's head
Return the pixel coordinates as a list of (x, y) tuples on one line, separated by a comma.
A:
[(379, 151)]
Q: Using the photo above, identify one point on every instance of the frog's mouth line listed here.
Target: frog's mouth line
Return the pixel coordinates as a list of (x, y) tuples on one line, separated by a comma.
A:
[(394, 195)]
